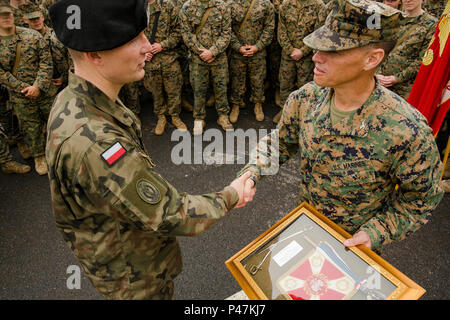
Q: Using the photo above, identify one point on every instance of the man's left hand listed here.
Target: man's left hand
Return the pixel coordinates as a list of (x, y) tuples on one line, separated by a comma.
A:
[(156, 48), (359, 238), (206, 55), (387, 81), (250, 51)]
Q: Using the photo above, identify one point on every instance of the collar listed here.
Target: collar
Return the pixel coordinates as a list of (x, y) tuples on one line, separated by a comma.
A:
[(156, 6), (97, 99), (356, 124)]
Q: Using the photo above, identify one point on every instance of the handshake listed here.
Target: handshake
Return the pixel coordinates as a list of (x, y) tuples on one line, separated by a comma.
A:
[(245, 188)]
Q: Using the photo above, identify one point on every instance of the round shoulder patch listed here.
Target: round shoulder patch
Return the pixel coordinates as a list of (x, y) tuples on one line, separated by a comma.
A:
[(148, 192)]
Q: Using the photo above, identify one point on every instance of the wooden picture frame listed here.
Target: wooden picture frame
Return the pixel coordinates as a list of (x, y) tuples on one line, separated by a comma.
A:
[(304, 258)]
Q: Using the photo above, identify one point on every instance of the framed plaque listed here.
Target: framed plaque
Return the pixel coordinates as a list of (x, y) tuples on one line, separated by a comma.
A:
[(302, 257)]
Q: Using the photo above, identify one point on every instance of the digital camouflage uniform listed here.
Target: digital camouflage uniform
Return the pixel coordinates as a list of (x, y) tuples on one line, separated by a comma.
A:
[(129, 95), (44, 5), (35, 69), (54, 47), (258, 31), (376, 170), (120, 219), (349, 172), (435, 7), (61, 59), (18, 18), (5, 155), (274, 52), (298, 18), (214, 36), (163, 73), (405, 59), (183, 53)]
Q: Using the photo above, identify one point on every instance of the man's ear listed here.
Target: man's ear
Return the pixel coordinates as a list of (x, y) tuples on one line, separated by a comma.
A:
[(373, 59), (93, 57)]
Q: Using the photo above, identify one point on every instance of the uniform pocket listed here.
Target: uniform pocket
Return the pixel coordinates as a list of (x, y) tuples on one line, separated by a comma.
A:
[(351, 182)]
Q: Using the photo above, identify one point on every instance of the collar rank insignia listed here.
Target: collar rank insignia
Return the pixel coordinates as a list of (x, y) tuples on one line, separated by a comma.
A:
[(114, 153)]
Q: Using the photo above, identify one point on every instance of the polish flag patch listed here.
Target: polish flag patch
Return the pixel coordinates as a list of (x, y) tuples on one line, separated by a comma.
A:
[(114, 153)]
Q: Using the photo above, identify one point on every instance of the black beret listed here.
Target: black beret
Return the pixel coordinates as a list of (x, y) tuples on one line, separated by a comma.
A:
[(98, 25)]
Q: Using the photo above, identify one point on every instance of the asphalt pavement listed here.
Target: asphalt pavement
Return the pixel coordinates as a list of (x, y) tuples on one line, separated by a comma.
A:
[(34, 260)]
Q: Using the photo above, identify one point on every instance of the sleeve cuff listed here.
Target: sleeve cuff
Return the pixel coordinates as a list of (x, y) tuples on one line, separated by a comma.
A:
[(375, 235), (230, 196), (214, 51)]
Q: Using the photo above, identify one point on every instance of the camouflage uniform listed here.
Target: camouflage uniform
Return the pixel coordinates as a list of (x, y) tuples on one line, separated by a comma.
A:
[(62, 61), (183, 54), (35, 68), (274, 52), (298, 18), (405, 59), (18, 18), (257, 31), (54, 47), (378, 169), (163, 72), (214, 36), (349, 172), (44, 5), (434, 7), (129, 94), (121, 219), (5, 155)]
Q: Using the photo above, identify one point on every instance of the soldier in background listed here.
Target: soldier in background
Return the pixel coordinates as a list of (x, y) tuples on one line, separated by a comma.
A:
[(396, 4), (206, 31), (117, 214), (183, 54), (163, 75), (435, 7), (33, 17), (357, 140), (44, 5), (253, 24), (6, 161), (129, 94), (399, 70), (18, 15), (26, 70), (274, 57), (298, 18)]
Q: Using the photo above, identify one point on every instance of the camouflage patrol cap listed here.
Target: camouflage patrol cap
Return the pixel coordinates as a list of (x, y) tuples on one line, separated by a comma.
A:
[(98, 25), (355, 23), (5, 7), (30, 10)]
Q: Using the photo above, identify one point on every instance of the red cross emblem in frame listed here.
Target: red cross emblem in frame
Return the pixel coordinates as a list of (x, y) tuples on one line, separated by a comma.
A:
[(317, 278)]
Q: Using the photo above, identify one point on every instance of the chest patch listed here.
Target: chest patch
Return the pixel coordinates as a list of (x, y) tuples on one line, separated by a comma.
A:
[(114, 153)]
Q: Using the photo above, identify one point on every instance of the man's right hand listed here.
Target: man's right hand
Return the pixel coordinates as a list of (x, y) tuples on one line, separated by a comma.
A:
[(244, 187), (297, 54), (148, 56), (31, 92)]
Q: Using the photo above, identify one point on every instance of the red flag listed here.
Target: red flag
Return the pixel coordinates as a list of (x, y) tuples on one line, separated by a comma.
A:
[(429, 93), (317, 278)]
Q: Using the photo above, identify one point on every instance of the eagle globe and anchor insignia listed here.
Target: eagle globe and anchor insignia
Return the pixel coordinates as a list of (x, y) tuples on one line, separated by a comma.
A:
[(148, 192)]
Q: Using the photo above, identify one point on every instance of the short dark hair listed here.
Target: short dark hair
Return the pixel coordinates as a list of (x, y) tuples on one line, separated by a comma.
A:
[(386, 45)]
